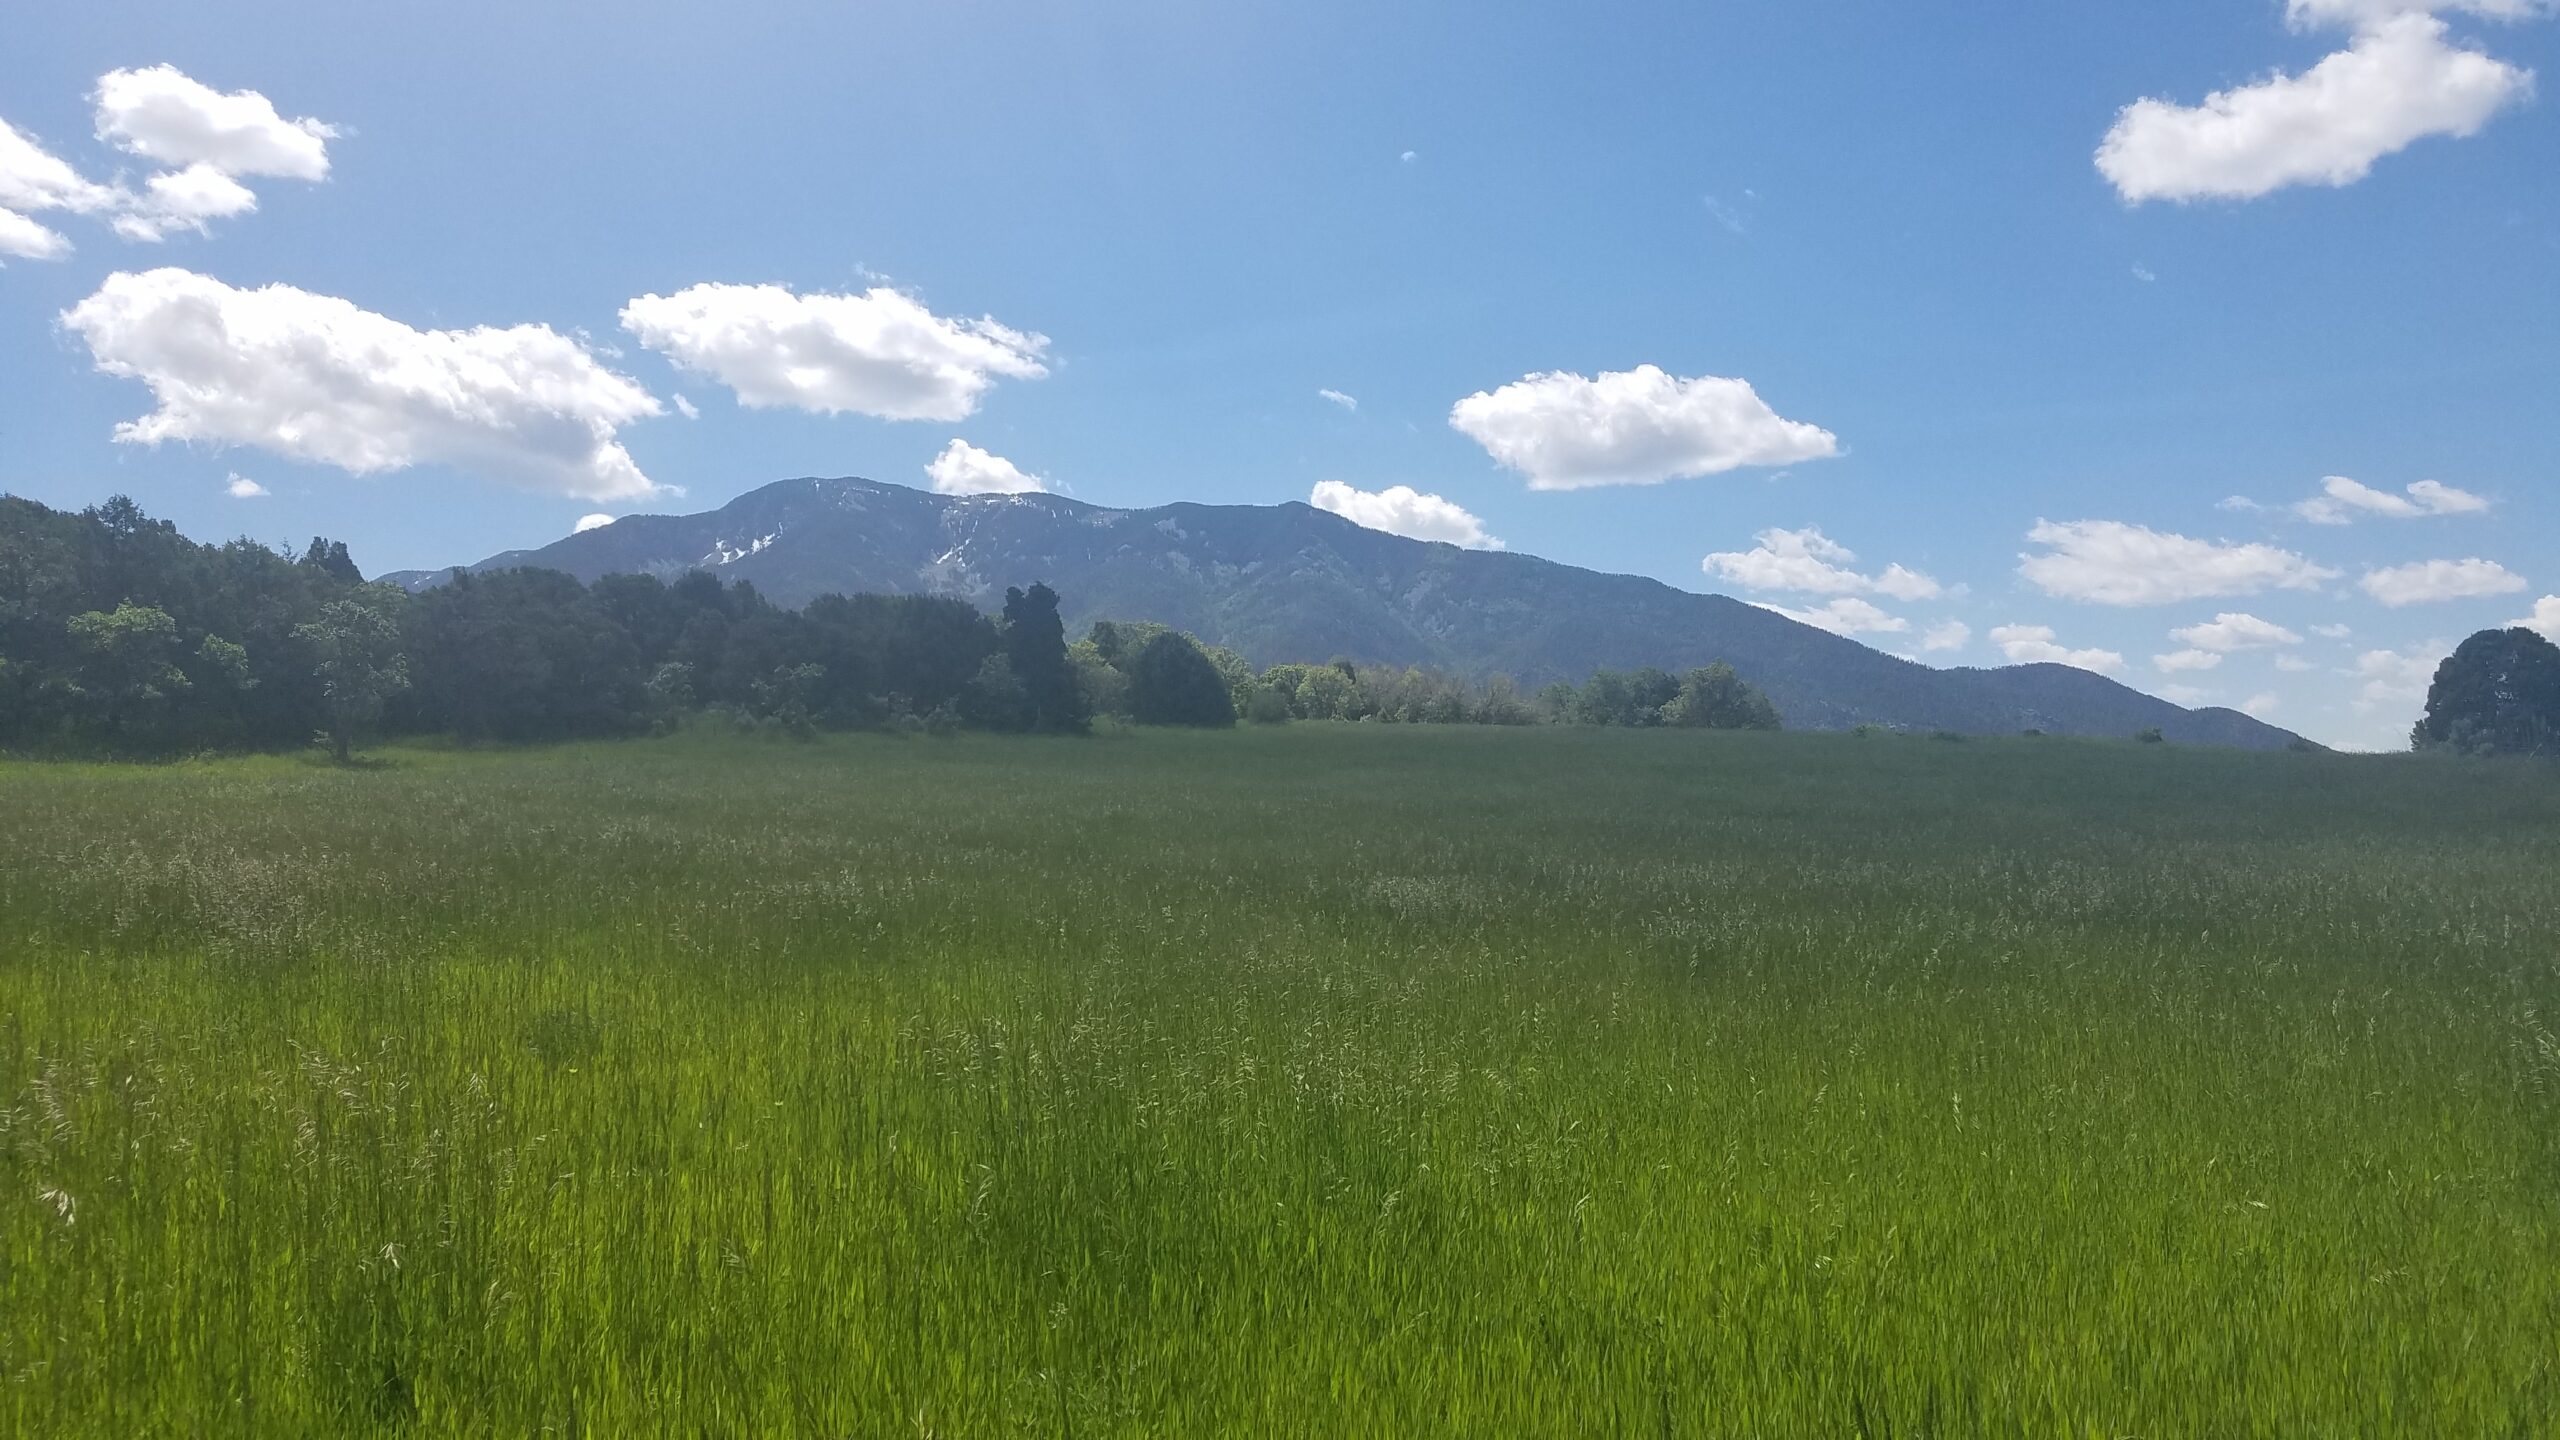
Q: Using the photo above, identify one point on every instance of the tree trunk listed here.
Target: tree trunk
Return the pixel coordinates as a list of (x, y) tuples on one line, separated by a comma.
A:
[(341, 744)]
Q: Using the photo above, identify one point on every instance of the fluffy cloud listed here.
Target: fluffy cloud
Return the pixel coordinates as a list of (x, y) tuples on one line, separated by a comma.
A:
[(314, 378), (189, 199), (2113, 563), (590, 522), (2228, 633), (161, 114), (208, 139), (880, 353), (27, 240), (1337, 397), (1847, 615), (2035, 645), (33, 180), (2397, 83), (2429, 581), (2180, 661), (1947, 635), (1403, 510), (2341, 499), (2317, 14), (1632, 427), (2391, 675), (2262, 705), (244, 488), (964, 469), (1808, 560), (2545, 618)]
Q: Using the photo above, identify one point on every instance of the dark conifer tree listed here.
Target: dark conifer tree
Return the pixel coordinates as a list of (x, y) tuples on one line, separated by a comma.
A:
[(1035, 645)]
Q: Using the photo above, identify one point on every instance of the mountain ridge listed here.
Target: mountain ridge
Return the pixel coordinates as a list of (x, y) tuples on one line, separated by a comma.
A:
[(1289, 582)]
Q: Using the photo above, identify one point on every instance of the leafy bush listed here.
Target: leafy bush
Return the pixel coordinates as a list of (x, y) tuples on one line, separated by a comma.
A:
[(1267, 706)]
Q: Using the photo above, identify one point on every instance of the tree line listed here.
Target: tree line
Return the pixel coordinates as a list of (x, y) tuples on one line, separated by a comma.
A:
[(120, 635)]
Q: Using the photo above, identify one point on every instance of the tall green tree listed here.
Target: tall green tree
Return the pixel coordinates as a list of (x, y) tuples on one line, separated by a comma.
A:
[(2497, 694), (330, 558), (1035, 647), (128, 673), (1172, 683), (355, 649)]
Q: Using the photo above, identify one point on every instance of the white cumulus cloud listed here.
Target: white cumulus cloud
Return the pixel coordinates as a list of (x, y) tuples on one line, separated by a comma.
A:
[(964, 469), (1403, 510), (2340, 500), (590, 522), (315, 378), (162, 114), (2228, 633), (2396, 83), (1632, 427), (1808, 560), (1847, 615), (2110, 562), (2180, 661), (880, 353), (241, 487), (2318, 14), (2036, 645), (2429, 581), (2545, 618), (2261, 705), (189, 199), (22, 237), (207, 139), (32, 181), (1947, 635), (2395, 675)]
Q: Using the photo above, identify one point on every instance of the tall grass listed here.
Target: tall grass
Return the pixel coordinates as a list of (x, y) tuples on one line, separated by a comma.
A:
[(1342, 1081)]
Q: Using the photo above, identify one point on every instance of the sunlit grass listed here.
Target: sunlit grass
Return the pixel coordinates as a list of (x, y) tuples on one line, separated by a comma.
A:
[(1350, 1081)]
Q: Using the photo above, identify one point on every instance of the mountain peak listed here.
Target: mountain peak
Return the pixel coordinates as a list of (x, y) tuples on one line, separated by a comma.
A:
[(1290, 582)]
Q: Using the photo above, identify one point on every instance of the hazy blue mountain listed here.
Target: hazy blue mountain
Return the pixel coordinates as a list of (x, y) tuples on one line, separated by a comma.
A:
[(1290, 582)]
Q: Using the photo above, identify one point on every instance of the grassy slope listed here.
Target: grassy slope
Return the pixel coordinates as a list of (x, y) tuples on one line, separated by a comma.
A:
[(1329, 1080)]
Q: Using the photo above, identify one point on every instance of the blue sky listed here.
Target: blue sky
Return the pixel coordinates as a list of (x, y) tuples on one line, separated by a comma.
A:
[(1122, 247)]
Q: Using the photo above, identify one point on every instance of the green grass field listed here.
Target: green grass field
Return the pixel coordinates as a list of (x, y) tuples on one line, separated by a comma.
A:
[(1320, 1081)]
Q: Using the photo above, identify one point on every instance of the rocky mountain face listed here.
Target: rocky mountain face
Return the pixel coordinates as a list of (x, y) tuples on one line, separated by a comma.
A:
[(1292, 583)]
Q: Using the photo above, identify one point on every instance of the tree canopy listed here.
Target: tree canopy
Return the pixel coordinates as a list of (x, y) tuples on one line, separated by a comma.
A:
[(2497, 694), (1172, 683)]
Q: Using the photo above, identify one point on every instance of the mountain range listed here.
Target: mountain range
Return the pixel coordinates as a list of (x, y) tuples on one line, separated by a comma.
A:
[(1280, 583)]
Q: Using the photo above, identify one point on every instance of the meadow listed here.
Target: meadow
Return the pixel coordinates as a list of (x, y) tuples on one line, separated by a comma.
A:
[(1321, 1080)]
